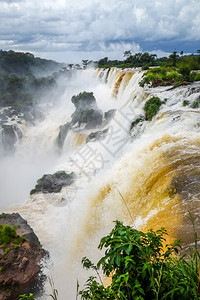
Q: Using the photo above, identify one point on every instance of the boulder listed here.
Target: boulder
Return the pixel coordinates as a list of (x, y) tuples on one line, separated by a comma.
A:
[(97, 135), (53, 183), (87, 119)]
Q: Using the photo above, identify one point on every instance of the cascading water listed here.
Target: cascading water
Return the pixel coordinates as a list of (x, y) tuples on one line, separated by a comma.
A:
[(154, 170)]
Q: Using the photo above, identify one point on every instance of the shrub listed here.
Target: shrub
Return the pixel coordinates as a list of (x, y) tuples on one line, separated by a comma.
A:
[(7, 234), (142, 268), (151, 107), (196, 103), (185, 72), (197, 77), (172, 75), (186, 102)]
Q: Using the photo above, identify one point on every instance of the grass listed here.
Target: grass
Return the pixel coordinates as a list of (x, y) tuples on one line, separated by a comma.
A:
[(169, 75)]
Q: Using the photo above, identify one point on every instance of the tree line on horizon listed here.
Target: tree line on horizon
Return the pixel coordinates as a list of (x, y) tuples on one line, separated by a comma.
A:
[(146, 60)]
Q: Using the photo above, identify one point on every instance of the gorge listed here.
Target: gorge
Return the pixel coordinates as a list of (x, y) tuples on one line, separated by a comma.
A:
[(143, 172)]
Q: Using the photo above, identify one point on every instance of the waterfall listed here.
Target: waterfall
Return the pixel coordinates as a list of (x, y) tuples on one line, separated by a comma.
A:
[(153, 169)]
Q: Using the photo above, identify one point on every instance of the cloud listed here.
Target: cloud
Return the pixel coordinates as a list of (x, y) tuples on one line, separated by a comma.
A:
[(97, 25)]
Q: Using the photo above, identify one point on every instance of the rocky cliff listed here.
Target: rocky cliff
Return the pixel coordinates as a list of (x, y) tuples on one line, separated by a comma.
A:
[(20, 258)]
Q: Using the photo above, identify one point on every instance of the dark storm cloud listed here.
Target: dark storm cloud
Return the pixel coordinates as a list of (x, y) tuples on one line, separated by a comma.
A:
[(99, 25)]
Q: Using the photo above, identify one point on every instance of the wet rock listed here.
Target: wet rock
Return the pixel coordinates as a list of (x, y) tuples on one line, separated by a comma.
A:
[(193, 90), (9, 136), (64, 129), (53, 183), (97, 135), (109, 114), (136, 125), (87, 119), (87, 115), (84, 101)]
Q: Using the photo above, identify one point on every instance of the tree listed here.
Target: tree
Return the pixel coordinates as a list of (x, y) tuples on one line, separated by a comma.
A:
[(103, 61), (127, 53), (174, 57)]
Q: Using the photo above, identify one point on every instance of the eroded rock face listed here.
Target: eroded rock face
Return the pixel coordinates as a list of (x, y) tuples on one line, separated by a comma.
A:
[(20, 258), (62, 134), (9, 136), (12, 122)]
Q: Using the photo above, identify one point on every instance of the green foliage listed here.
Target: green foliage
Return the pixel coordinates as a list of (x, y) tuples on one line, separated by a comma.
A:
[(186, 102), (142, 268), (33, 191), (196, 76), (84, 98), (25, 80), (173, 57), (196, 103), (136, 60), (135, 122), (2, 216), (163, 75), (23, 63), (177, 71), (27, 297), (8, 235), (171, 75), (6, 251), (151, 107), (185, 72), (146, 60)]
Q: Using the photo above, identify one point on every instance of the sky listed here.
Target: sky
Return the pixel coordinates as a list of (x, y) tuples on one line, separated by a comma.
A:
[(72, 30)]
